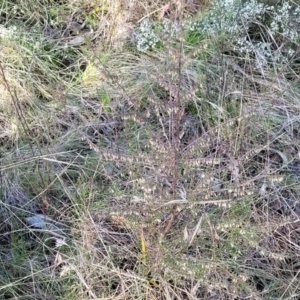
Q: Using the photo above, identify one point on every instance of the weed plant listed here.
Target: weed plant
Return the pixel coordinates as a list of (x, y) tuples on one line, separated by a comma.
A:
[(160, 165)]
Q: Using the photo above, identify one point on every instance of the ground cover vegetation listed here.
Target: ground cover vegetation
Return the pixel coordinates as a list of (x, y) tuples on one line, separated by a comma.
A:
[(149, 149)]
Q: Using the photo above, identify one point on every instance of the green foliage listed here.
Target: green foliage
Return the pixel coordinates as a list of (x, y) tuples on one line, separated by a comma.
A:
[(105, 99)]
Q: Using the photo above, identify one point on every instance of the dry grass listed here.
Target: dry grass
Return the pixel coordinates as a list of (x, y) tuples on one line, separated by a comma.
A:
[(166, 175)]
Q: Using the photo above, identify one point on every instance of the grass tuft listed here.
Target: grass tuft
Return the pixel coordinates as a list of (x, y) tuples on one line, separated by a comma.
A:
[(149, 150)]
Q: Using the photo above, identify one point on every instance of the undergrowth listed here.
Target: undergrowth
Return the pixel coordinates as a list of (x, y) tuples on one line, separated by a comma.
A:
[(149, 151)]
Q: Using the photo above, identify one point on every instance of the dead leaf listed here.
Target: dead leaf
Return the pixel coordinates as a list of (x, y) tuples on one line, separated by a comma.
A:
[(235, 172), (45, 204), (164, 11), (185, 234), (77, 41), (58, 259)]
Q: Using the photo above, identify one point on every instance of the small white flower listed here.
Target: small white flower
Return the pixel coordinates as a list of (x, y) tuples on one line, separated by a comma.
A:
[(7, 33)]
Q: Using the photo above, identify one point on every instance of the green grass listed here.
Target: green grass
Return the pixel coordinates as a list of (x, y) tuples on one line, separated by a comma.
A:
[(165, 174)]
